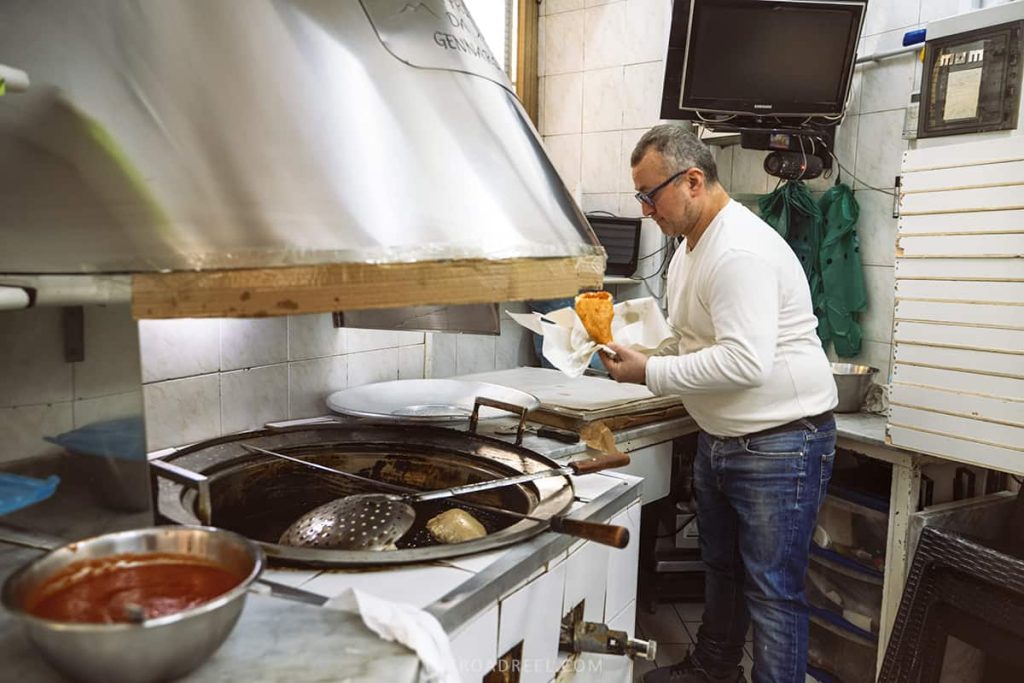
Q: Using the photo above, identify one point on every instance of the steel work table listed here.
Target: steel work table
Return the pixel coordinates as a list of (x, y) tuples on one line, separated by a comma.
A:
[(865, 433), (859, 432)]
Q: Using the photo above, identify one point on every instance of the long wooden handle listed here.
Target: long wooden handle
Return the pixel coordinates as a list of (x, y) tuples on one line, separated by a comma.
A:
[(601, 462), (606, 534)]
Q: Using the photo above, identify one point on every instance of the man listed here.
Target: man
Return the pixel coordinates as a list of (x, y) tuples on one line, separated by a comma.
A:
[(751, 371)]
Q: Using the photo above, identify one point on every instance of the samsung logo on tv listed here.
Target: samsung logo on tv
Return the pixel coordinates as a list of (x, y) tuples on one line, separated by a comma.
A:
[(964, 57), (762, 106)]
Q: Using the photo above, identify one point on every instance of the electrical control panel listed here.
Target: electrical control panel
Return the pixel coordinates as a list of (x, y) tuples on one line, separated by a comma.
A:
[(972, 81)]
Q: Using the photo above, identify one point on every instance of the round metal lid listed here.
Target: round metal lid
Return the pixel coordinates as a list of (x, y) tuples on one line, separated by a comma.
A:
[(425, 400)]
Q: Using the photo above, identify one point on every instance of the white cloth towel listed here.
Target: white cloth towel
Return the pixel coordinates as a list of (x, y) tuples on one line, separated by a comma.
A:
[(406, 624)]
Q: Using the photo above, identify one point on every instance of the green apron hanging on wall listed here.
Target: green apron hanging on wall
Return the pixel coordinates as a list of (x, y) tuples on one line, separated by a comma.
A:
[(824, 238), (841, 270), (792, 211)]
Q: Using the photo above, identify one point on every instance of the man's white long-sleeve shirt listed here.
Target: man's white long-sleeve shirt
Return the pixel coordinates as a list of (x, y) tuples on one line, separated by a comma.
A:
[(749, 357)]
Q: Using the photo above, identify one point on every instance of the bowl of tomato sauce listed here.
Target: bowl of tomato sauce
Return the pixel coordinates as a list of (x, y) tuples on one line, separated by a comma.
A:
[(134, 606)]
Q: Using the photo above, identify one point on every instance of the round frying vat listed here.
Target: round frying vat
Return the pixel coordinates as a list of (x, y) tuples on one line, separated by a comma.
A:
[(392, 452)]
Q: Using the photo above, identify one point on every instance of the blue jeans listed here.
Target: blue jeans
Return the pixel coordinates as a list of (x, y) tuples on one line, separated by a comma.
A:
[(757, 502)]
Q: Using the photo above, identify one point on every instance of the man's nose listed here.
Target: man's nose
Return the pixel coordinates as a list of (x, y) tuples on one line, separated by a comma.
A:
[(646, 209)]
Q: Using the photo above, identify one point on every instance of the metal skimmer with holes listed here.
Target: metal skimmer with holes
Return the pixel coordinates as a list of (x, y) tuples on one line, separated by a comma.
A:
[(366, 521)]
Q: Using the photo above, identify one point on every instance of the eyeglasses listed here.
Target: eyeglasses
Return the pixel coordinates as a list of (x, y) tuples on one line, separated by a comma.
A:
[(648, 197)]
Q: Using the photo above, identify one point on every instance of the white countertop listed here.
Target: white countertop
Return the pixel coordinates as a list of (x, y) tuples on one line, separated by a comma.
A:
[(274, 640)]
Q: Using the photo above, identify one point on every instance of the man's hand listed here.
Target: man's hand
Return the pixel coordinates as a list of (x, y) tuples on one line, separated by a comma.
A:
[(627, 366)]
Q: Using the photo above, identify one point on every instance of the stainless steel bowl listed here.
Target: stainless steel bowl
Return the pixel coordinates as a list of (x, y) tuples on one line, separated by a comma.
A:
[(852, 382), (157, 649)]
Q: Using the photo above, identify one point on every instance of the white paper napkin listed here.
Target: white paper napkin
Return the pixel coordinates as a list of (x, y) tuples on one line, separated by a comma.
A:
[(406, 624), (638, 324)]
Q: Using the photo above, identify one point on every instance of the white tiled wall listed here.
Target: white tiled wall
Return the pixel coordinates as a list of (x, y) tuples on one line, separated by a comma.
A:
[(205, 378), (463, 354), (589, 46), (41, 395)]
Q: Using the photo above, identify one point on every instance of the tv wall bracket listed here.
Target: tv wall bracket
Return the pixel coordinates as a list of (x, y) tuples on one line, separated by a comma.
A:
[(795, 153)]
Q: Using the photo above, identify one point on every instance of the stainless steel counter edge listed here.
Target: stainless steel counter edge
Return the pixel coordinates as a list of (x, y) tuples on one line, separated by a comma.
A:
[(862, 428), (628, 439), (498, 579)]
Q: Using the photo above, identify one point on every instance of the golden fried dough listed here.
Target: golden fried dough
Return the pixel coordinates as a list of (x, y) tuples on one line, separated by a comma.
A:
[(455, 526), (595, 311)]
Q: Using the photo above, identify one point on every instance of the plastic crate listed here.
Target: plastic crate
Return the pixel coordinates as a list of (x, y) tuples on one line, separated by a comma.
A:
[(841, 654), (856, 530), (846, 589)]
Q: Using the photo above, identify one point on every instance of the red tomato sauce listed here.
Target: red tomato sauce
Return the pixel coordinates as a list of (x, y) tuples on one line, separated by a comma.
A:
[(106, 591)]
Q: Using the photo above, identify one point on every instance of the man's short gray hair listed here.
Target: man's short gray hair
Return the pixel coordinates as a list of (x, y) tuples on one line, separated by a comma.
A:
[(680, 148)]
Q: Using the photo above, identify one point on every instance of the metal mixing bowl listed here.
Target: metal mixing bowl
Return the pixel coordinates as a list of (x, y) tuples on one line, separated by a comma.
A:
[(157, 649), (852, 382)]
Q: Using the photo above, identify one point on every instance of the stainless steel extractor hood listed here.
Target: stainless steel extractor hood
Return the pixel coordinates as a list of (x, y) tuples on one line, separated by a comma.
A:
[(259, 157)]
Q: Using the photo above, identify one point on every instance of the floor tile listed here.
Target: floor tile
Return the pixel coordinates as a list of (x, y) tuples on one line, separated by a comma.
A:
[(748, 666), (641, 667), (690, 612), (670, 653), (663, 626)]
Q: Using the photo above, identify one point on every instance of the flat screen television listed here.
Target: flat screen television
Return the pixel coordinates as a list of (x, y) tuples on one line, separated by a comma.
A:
[(775, 61)]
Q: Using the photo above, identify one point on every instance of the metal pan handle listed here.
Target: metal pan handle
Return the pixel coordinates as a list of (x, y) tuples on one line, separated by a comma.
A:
[(180, 475), (27, 538), (500, 405)]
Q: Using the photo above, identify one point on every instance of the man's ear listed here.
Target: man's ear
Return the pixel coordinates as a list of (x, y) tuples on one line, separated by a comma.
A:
[(695, 179)]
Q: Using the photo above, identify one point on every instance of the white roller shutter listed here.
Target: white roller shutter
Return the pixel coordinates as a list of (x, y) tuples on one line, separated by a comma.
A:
[(958, 378)]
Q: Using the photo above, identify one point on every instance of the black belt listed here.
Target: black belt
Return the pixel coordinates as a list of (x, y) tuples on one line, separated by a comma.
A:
[(816, 420)]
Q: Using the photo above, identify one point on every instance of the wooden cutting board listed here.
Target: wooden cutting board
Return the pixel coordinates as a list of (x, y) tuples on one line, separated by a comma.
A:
[(571, 403)]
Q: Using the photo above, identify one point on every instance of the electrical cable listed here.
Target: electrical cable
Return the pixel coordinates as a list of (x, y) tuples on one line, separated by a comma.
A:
[(850, 173), (660, 270), (870, 187), (650, 290), (700, 116), (609, 213), (653, 253), (678, 528), (803, 153)]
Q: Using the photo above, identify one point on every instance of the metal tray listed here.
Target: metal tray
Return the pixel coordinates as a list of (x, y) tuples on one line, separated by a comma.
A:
[(425, 400)]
